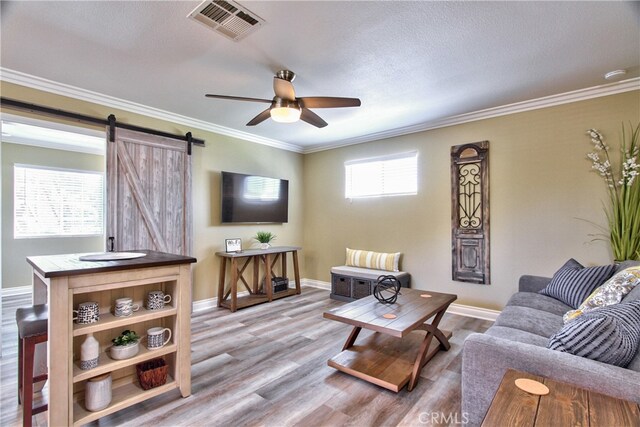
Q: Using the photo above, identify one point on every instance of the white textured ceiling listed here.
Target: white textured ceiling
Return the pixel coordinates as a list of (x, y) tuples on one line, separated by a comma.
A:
[(410, 63)]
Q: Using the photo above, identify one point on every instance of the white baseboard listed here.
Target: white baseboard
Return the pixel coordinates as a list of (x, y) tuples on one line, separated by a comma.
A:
[(205, 304), (459, 309), (471, 311), (16, 290), (316, 284)]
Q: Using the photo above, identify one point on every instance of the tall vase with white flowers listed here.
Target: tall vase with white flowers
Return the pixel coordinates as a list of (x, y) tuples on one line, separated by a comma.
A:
[(623, 212)]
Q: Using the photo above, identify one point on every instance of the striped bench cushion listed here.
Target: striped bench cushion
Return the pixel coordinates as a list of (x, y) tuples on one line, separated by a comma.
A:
[(374, 260)]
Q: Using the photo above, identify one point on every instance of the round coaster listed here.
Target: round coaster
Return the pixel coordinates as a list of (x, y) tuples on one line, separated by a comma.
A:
[(531, 386), (425, 296), (389, 316)]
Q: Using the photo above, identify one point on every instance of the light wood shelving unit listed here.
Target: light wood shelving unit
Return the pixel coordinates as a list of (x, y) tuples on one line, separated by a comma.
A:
[(123, 396), (67, 282)]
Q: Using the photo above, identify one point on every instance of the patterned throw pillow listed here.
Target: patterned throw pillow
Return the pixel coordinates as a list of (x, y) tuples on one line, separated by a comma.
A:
[(573, 283), (375, 260), (610, 334), (610, 293)]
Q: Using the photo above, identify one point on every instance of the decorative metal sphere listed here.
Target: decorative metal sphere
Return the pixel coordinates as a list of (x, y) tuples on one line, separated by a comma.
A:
[(387, 289)]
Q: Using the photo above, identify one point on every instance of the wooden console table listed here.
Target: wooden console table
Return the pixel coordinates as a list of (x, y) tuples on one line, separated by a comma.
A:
[(260, 290), (565, 405), (63, 282)]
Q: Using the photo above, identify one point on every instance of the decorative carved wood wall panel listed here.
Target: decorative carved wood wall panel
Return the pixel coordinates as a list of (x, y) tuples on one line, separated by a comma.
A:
[(470, 213)]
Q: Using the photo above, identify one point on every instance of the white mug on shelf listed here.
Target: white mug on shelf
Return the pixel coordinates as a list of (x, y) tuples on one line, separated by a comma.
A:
[(157, 299), (155, 337), (87, 312), (125, 307)]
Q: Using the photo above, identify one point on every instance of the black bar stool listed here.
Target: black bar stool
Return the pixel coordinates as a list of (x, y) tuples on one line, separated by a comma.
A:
[(33, 323)]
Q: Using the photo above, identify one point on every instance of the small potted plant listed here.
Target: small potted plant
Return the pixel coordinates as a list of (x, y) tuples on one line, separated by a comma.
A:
[(125, 346), (264, 238)]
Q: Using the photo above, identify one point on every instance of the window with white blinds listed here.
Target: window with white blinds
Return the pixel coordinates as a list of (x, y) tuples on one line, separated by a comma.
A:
[(57, 202), (382, 176)]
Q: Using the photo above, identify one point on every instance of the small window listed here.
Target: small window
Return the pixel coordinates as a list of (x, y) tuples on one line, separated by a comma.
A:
[(57, 202), (382, 176)]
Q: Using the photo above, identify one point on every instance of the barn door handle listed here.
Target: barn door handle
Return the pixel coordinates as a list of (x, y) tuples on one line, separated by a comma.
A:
[(111, 243)]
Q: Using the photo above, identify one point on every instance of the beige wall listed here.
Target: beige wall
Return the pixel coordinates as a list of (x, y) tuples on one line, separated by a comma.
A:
[(541, 188), (541, 191), (15, 271), (221, 153)]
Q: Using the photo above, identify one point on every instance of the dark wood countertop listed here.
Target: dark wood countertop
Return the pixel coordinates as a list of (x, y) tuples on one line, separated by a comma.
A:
[(70, 264)]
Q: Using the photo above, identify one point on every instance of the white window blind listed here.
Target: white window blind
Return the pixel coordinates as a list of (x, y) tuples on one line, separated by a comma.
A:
[(57, 202), (382, 176)]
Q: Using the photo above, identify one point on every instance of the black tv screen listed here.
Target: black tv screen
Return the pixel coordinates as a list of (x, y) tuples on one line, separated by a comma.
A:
[(251, 198)]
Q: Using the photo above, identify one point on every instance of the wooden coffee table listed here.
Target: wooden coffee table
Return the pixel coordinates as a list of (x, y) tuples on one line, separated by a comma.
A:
[(382, 358)]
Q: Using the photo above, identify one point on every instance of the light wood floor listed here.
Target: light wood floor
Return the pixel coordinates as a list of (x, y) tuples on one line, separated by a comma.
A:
[(267, 366)]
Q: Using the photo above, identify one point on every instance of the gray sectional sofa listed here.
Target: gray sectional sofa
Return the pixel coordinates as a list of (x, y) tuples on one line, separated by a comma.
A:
[(518, 340)]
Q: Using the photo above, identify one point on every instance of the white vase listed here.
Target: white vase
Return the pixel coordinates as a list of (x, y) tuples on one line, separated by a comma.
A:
[(89, 352), (119, 352), (97, 394), (265, 245)]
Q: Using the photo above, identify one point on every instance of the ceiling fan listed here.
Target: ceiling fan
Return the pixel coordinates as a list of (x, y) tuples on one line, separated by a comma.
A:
[(286, 108)]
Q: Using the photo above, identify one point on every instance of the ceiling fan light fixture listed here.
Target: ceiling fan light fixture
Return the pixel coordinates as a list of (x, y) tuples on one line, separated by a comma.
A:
[(285, 114), (285, 111), (286, 107)]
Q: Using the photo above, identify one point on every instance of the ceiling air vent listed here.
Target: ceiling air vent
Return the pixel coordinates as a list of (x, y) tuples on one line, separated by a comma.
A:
[(227, 17)]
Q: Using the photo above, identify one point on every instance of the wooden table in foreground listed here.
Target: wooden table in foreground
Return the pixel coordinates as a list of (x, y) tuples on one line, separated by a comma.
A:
[(383, 359), (565, 405), (239, 261)]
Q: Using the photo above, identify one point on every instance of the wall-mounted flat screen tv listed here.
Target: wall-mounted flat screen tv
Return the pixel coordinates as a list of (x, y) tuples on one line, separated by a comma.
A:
[(253, 199)]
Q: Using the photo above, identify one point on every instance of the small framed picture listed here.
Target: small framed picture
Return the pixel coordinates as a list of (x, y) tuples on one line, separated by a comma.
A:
[(233, 245)]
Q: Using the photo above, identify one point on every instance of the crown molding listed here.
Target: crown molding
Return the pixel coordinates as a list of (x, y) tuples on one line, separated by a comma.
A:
[(34, 82), (518, 107)]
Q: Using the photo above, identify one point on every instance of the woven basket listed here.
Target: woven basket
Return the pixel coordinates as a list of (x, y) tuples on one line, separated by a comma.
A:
[(152, 373)]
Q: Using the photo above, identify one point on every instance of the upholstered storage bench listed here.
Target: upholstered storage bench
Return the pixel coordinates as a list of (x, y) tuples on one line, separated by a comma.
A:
[(352, 283)]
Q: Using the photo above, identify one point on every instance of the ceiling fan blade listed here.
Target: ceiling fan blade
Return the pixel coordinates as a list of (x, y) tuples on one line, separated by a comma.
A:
[(328, 102), (284, 89), (238, 98), (312, 118), (260, 117)]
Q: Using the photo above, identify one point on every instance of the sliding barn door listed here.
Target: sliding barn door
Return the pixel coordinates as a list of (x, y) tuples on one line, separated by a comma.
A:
[(148, 193)]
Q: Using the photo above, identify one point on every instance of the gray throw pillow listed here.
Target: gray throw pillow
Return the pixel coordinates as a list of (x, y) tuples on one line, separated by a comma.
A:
[(573, 283), (609, 334)]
